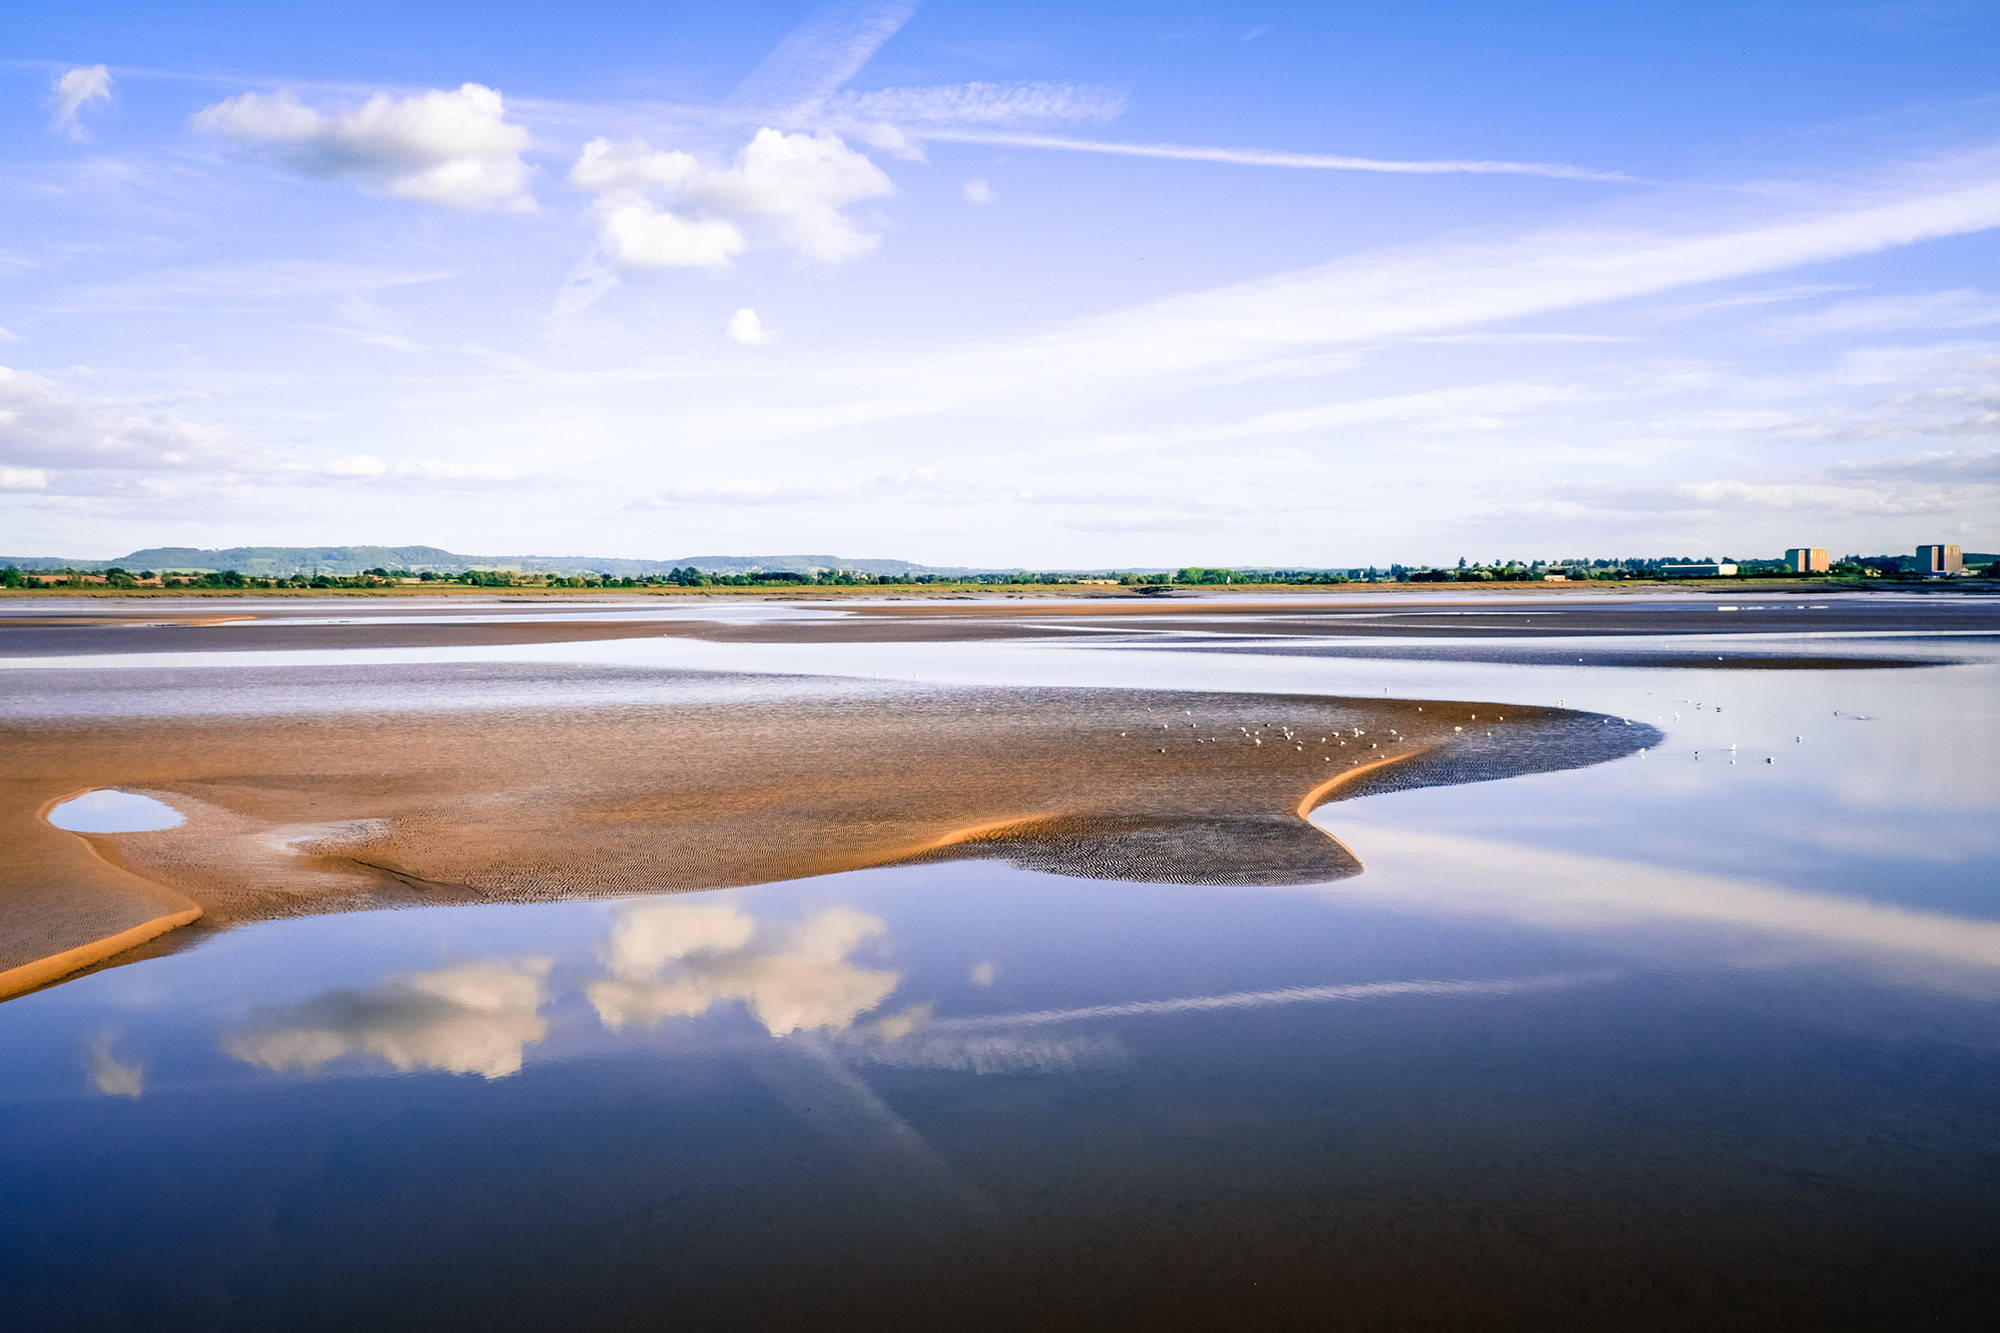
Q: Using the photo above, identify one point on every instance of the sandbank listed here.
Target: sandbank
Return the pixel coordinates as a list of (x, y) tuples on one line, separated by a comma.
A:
[(338, 811)]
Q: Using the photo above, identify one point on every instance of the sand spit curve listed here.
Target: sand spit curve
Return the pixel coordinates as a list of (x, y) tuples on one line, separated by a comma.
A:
[(338, 811)]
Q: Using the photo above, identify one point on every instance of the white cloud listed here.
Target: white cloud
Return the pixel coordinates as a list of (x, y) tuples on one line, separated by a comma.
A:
[(73, 90), (1432, 289), (965, 104), (978, 192), (429, 469), (681, 959), (1266, 157), (1962, 309), (1977, 469), (437, 469), (455, 148), (359, 465), (663, 209), (746, 330), (243, 284), (43, 423), (7, 336), (822, 53), (23, 479), (638, 234), (471, 1018)]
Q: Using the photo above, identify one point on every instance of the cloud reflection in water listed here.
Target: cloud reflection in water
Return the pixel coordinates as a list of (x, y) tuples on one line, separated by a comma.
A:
[(675, 959), (1568, 891), (110, 1075), (469, 1018)]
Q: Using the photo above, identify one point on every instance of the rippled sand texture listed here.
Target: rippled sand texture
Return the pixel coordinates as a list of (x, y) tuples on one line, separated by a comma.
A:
[(334, 811)]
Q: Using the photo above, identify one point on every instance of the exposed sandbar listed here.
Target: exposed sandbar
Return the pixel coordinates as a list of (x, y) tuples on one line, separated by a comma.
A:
[(337, 811)]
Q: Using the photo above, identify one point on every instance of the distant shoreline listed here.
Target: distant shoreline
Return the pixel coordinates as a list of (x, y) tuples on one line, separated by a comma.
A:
[(1002, 592)]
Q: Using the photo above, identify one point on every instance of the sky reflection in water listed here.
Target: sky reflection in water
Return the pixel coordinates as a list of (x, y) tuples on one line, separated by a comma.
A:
[(1727, 1022)]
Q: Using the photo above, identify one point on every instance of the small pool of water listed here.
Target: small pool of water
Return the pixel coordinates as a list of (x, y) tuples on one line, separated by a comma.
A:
[(113, 811)]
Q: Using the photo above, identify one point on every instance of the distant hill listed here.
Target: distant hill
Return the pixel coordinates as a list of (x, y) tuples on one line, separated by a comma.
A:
[(285, 561)]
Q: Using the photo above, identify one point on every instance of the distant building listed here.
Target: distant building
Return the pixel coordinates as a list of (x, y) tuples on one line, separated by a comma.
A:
[(1807, 560), (1696, 571), (1939, 561)]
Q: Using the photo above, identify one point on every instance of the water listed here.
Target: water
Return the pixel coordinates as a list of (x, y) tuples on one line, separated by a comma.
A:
[(1673, 1041), (111, 811)]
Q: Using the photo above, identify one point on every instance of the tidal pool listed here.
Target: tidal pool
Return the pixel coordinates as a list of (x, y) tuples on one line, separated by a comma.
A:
[(111, 811), (1686, 1039)]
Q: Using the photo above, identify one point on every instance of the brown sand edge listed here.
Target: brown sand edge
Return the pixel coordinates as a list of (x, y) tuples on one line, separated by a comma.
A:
[(43, 971), (39, 972), (1326, 791), (29, 976), (53, 967)]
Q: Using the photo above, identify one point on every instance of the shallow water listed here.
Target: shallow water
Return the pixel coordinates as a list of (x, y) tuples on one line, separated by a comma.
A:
[(1688, 1039), (111, 811)]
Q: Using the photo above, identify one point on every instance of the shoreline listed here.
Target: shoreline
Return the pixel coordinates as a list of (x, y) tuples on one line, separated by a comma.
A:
[(312, 813), (1787, 586)]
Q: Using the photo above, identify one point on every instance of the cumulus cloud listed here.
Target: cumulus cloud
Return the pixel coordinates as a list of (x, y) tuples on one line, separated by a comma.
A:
[(746, 330), (454, 148), (41, 423), (978, 192), (23, 478), (663, 209), (73, 90), (681, 959), (471, 1018)]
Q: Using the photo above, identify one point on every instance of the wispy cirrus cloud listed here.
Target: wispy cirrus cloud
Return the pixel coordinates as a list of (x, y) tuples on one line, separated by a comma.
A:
[(1266, 157), (1949, 467), (820, 55), (1963, 308), (971, 104)]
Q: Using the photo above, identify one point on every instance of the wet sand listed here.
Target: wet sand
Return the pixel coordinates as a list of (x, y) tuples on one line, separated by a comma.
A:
[(40, 633), (340, 811)]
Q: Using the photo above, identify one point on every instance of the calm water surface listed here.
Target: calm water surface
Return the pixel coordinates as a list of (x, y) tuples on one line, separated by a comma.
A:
[(1678, 1041)]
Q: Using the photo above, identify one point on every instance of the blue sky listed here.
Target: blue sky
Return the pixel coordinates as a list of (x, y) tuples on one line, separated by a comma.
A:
[(1048, 284)]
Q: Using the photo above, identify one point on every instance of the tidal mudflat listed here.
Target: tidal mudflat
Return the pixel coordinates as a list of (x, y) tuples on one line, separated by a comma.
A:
[(1428, 964)]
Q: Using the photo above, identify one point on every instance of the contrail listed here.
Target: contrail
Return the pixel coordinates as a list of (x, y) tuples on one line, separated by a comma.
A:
[(822, 53), (1260, 157), (1372, 990)]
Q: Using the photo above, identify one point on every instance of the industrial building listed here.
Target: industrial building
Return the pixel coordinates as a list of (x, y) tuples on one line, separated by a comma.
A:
[(1939, 561), (1807, 560), (1699, 571)]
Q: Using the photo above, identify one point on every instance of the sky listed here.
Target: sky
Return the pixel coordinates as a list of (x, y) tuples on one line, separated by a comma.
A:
[(1111, 285)]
